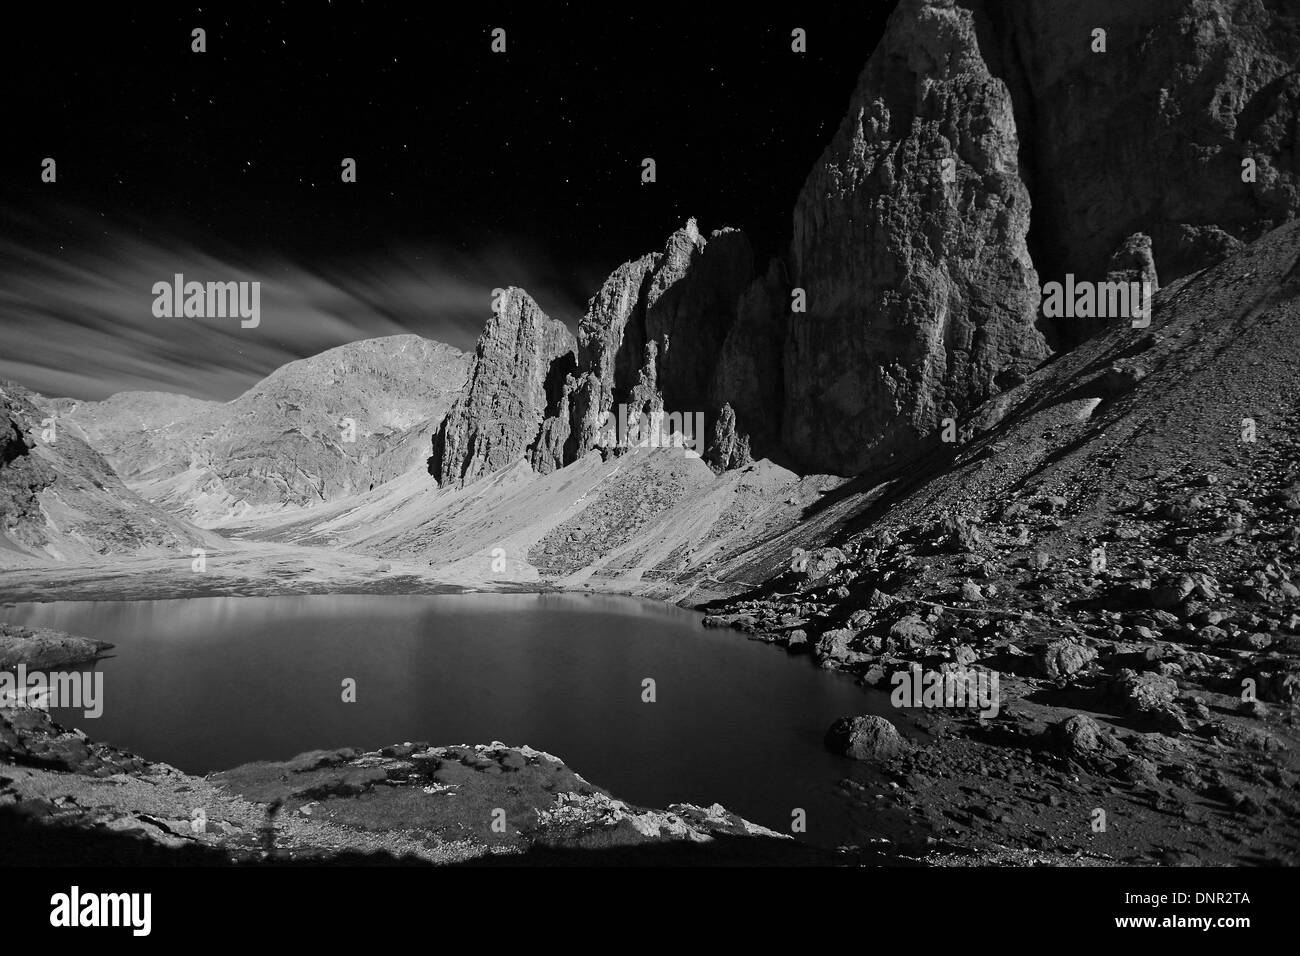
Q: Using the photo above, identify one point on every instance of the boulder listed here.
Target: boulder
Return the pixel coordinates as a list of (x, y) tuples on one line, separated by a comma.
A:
[(1064, 657), (822, 562), (865, 738), (909, 634)]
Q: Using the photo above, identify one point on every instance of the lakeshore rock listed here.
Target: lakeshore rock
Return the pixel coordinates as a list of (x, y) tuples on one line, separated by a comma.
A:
[(865, 738), (409, 802), (43, 648)]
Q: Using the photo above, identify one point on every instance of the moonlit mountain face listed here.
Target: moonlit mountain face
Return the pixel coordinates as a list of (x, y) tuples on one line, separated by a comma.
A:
[(317, 429)]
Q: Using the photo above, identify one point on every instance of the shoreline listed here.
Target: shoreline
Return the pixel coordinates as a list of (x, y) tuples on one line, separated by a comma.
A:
[(1020, 788)]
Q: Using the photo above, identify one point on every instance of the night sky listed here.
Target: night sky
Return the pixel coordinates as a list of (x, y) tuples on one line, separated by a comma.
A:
[(474, 169)]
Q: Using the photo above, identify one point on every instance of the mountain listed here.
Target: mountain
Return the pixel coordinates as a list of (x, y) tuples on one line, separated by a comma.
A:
[(987, 149), (906, 466), (287, 440), (61, 501), (647, 344)]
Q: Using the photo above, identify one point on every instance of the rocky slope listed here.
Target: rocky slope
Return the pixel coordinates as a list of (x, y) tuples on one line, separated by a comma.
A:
[(1116, 537), (60, 500), (287, 440)]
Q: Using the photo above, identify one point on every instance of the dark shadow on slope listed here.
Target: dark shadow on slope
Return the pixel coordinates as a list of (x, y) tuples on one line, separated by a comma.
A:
[(28, 842)]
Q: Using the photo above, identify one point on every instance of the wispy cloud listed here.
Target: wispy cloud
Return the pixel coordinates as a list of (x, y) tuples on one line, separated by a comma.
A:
[(76, 308)]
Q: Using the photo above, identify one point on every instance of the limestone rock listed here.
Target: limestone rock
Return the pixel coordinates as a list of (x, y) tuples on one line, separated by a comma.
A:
[(517, 376), (1064, 657), (817, 564), (42, 648), (910, 633), (1201, 84), (610, 350), (727, 449), (651, 337), (749, 377), (1133, 262), (910, 242), (836, 645)]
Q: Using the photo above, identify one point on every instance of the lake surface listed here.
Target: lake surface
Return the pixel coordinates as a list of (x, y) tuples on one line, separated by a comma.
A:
[(208, 683)]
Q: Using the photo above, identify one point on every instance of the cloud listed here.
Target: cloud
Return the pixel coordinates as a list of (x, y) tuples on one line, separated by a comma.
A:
[(77, 320)]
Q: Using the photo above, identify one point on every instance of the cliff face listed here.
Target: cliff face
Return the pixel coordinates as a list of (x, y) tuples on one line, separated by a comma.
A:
[(988, 148), (650, 339), (748, 385), (512, 385), (910, 244), (1150, 135), (611, 347)]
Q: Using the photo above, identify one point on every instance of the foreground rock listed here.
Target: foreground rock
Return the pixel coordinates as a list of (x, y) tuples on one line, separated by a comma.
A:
[(864, 738), (410, 802), (45, 649)]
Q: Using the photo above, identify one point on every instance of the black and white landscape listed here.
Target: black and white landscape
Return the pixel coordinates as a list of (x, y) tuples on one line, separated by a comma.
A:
[(868, 439)]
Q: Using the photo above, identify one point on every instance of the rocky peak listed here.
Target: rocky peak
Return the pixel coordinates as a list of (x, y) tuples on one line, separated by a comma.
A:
[(652, 335), (909, 241), (516, 379)]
